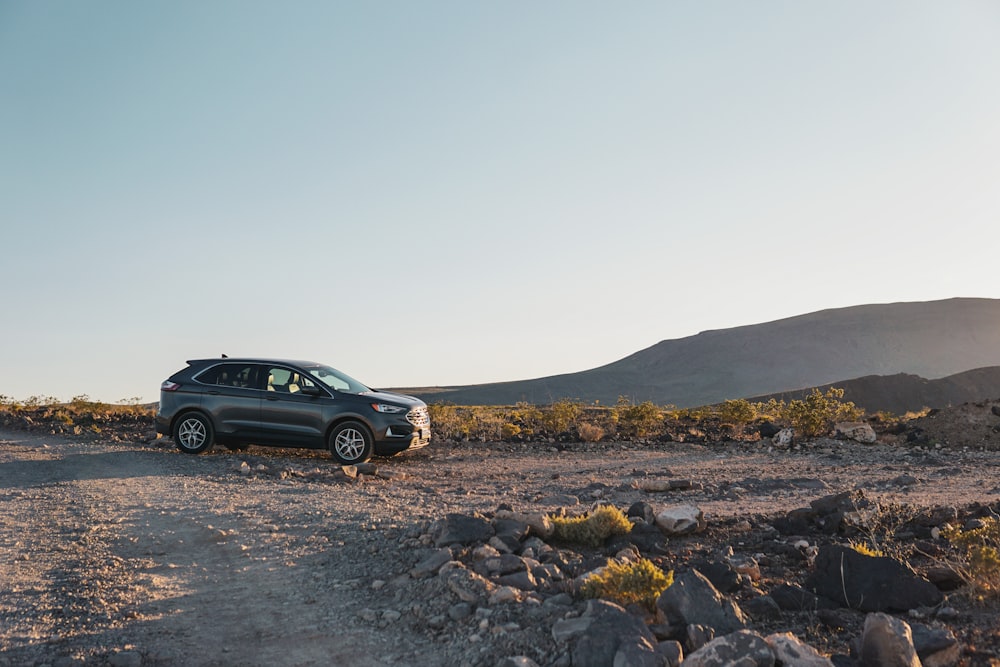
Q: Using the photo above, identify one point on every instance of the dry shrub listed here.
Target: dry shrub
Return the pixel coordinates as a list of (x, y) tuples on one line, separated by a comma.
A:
[(591, 529), (980, 549), (640, 582), (589, 432)]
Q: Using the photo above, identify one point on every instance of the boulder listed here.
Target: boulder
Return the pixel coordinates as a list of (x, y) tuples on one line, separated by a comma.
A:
[(692, 599), (762, 608), (611, 630), (672, 651), (432, 563), (538, 523), (857, 431), (639, 654), (887, 642), (793, 598), (510, 529), (567, 629), (869, 583), (462, 529), (722, 574), (743, 648), (936, 647), (680, 520), (789, 650)]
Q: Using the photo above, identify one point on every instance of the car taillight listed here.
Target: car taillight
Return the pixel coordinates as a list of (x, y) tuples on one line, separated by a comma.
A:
[(169, 386)]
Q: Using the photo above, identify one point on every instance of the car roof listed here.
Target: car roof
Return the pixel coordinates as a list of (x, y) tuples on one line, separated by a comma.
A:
[(253, 360)]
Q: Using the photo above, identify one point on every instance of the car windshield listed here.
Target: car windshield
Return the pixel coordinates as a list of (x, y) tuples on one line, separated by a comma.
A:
[(334, 379)]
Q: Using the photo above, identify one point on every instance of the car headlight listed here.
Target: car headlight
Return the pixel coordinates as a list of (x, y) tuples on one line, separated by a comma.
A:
[(387, 409)]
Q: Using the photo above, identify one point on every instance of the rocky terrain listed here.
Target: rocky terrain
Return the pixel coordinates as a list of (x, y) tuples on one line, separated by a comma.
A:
[(115, 549)]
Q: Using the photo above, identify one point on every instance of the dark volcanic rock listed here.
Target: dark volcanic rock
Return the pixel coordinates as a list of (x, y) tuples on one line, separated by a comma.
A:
[(692, 599), (793, 598), (869, 583), (463, 529), (611, 627)]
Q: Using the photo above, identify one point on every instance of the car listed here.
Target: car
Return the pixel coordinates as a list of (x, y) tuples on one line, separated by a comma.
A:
[(285, 403)]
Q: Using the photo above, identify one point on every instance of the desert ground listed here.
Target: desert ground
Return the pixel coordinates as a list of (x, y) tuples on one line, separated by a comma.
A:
[(126, 552)]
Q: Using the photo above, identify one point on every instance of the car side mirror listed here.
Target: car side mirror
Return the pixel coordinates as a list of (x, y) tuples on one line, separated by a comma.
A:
[(310, 391)]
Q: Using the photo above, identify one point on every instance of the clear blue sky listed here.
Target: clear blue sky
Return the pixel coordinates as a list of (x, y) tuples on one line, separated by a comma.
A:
[(435, 193)]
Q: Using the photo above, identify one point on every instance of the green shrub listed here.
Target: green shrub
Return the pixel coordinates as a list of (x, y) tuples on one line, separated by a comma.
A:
[(816, 414), (591, 529), (558, 417), (637, 421), (640, 582), (737, 412)]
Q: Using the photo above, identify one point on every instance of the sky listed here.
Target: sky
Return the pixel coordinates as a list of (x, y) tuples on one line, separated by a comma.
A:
[(444, 193)]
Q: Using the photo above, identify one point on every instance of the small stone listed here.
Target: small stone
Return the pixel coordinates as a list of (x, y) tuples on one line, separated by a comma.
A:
[(505, 594), (432, 563), (517, 661), (566, 629), (460, 611), (484, 551), (125, 659)]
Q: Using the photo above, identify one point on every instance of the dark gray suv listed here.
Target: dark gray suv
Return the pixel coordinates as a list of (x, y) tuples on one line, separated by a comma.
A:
[(282, 403)]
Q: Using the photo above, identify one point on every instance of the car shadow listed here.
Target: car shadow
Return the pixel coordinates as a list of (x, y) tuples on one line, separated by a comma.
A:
[(77, 467)]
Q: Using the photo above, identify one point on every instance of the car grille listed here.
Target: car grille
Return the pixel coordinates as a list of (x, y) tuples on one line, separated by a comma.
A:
[(419, 417)]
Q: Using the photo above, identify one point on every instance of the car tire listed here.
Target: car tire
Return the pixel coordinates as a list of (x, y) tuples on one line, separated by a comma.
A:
[(351, 442), (193, 433)]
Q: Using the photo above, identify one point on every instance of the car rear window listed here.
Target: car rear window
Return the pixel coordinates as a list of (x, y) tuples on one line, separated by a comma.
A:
[(228, 375)]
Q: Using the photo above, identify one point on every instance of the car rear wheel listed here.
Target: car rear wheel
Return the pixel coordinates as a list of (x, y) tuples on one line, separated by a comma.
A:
[(351, 442), (193, 433)]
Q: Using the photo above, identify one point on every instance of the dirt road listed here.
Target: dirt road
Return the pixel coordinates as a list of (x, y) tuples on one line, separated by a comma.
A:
[(135, 554)]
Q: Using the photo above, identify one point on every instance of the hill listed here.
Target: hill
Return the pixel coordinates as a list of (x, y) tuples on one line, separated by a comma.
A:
[(903, 392), (930, 339)]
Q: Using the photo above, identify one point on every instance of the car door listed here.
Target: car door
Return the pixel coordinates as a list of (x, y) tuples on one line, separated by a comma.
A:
[(232, 397), (292, 414)]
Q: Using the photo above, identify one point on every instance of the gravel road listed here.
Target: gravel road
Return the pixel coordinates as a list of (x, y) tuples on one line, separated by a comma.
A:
[(135, 554)]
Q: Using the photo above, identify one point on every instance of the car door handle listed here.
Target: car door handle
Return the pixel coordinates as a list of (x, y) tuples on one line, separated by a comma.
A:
[(272, 398), (212, 393)]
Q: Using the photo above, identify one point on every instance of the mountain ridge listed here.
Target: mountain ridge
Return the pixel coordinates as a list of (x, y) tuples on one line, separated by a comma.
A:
[(930, 339)]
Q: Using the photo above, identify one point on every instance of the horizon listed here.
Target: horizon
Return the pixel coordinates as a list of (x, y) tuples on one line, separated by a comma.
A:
[(450, 195)]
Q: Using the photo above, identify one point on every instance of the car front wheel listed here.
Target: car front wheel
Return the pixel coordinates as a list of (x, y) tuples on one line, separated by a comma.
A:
[(351, 442), (193, 433)]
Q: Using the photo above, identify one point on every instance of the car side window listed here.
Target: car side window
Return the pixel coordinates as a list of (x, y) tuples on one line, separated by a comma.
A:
[(229, 375), (287, 381)]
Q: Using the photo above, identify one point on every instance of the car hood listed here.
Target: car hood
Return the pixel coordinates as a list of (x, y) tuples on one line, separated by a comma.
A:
[(390, 397)]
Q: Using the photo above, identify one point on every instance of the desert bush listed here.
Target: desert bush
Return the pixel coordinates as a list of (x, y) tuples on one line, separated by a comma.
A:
[(816, 414), (524, 420), (452, 422), (637, 420), (589, 432), (559, 416), (591, 529), (738, 412), (509, 430), (980, 549), (639, 582)]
